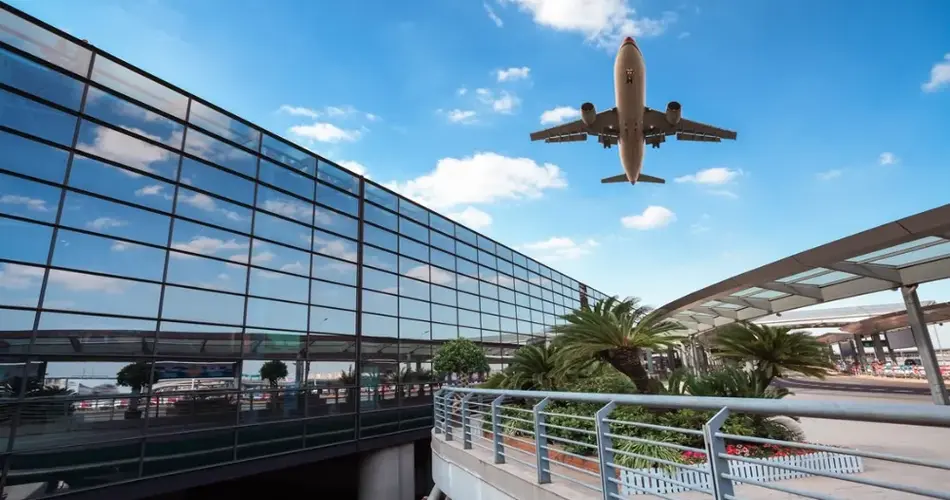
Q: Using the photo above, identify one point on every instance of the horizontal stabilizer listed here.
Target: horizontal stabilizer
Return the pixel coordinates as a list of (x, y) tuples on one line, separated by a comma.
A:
[(650, 178), (616, 178)]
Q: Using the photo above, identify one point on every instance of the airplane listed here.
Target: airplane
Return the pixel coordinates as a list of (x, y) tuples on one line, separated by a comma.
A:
[(631, 124)]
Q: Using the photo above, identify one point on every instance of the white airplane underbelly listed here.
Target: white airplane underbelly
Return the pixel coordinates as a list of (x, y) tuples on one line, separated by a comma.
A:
[(630, 93)]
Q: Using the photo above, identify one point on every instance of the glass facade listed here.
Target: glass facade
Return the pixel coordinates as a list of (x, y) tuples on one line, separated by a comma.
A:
[(145, 231)]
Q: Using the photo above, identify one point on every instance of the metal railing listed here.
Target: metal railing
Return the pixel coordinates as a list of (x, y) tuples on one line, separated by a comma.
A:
[(597, 442)]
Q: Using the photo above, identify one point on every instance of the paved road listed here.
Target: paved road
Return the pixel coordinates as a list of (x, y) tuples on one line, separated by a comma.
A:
[(856, 385)]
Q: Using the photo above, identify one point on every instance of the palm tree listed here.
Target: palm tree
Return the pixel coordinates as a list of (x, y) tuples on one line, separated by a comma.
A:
[(773, 352), (616, 331)]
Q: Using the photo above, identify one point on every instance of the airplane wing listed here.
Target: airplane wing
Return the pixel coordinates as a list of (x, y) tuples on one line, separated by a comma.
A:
[(685, 130), (605, 124)]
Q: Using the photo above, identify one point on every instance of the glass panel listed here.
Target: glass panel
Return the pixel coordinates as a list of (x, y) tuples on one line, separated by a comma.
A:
[(208, 307), (333, 270), (272, 314), (379, 237), (380, 303), (200, 175), (413, 211), (380, 217), (98, 294), (43, 44), (187, 269), (93, 214), (21, 284), (413, 230), (36, 119), (465, 234), (24, 241), (126, 150), (379, 280), (279, 286), (380, 258), (288, 155), (338, 177), (202, 207), (287, 179), (328, 294), (281, 258), (220, 153), (338, 223), (412, 249), (133, 118), (336, 199), (28, 76), (28, 199), (223, 125), (380, 196), (84, 252), (139, 87), (203, 240), (334, 246), (119, 183), (284, 205), (324, 320), (32, 158), (917, 256), (442, 259), (283, 231)]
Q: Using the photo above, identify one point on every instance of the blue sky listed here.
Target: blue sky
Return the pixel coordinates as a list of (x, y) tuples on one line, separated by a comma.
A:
[(841, 111)]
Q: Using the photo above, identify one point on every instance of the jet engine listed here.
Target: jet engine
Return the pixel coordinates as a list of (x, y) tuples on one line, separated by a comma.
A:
[(673, 112), (588, 114)]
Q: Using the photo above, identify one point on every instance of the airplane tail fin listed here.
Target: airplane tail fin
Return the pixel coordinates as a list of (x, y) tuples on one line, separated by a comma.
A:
[(616, 178), (651, 179)]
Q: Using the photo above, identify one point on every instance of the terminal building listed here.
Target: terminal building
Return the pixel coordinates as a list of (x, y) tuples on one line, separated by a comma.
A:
[(155, 242)]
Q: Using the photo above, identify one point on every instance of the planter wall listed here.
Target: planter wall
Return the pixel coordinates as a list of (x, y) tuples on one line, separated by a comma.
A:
[(634, 484)]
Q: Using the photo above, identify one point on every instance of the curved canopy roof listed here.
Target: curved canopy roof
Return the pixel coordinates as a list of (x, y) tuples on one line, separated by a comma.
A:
[(907, 251)]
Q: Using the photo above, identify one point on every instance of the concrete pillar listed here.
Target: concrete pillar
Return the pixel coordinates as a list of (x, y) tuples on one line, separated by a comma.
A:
[(878, 347), (388, 473), (859, 351), (925, 348)]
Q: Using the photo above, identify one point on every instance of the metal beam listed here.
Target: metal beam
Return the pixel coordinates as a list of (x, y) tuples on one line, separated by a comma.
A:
[(925, 348), (755, 303), (868, 270), (810, 291)]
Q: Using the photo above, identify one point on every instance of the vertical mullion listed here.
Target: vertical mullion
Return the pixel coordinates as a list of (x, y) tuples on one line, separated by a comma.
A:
[(306, 348)]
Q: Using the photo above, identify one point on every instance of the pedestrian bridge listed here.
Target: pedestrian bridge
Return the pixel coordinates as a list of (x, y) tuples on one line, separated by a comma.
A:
[(497, 444)]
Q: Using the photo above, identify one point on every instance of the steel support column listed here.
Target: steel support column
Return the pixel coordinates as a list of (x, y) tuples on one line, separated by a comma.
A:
[(925, 348), (878, 347), (859, 351)]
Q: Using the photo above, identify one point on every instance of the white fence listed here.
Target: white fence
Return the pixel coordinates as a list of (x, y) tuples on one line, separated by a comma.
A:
[(635, 484)]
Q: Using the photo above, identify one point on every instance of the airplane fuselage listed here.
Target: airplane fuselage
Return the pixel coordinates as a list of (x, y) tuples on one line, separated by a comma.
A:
[(630, 94)]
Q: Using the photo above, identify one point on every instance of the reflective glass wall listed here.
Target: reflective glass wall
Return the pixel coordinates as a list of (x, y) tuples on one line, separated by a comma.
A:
[(179, 288)]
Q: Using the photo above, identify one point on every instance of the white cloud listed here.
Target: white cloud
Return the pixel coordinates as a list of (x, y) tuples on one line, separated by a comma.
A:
[(725, 193), (888, 159), (151, 190), (559, 114), (19, 277), (711, 176), (512, 74), (939, 75), (472, 217), (482, 178), (34, 204), (101, 223), (204, 245), (601, 22), (299, 111), (290, 208), (504, 102), (121, 246), (79, 282), (830, 174), (462, 91), (701, 226), (296, 267), (491, 15), (325, 132), (556, 248), (652, 218), (355, 167), (461, 116), (124, 149), (683, 35)]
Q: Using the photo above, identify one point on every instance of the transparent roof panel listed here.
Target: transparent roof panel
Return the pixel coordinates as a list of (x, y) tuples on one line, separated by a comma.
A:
[(722, 305), (795, 278), (828, 278), (747, 292), (769, 294), (910, 245), (932, 252)]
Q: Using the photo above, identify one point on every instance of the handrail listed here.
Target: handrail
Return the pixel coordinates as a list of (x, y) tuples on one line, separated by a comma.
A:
[(909, 414), (623, 462)]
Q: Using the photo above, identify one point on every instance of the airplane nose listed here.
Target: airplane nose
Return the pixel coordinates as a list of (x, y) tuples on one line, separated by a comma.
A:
[(628, 40)]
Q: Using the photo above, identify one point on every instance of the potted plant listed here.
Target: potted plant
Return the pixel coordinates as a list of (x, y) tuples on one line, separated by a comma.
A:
[(136, 376)]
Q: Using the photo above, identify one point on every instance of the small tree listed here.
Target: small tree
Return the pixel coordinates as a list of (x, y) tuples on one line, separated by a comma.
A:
[(136, 376), (273, 372), (462, 357)]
